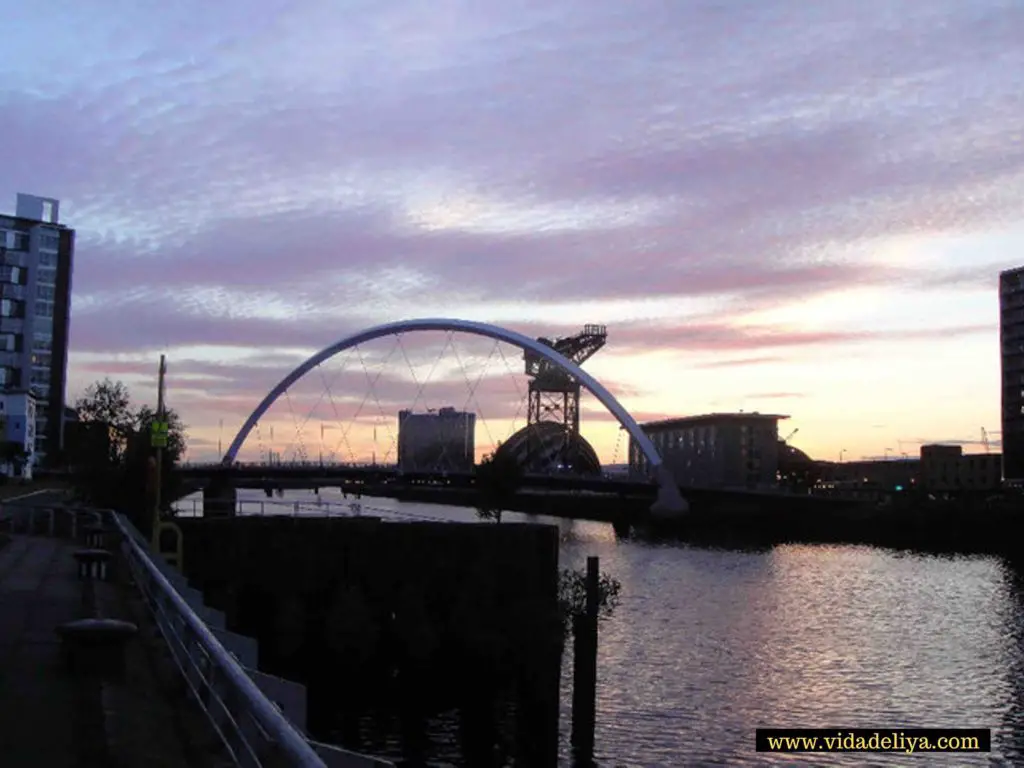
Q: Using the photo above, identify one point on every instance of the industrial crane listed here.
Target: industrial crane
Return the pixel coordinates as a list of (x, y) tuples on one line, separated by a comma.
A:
[(786, 438), (554, 394)]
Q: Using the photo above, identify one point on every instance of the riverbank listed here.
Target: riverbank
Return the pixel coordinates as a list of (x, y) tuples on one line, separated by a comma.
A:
[(968, 525), (964, 526)]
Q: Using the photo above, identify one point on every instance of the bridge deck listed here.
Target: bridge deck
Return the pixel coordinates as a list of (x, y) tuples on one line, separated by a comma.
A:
[(50, 718)]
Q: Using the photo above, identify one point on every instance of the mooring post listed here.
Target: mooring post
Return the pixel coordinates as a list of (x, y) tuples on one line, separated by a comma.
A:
[(584, 685)]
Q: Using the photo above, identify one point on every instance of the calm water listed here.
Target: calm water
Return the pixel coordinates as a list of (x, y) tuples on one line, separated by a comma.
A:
[(707, 645)]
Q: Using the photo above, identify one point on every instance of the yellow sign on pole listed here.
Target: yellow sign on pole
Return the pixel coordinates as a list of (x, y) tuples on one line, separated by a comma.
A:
[(158, 434)]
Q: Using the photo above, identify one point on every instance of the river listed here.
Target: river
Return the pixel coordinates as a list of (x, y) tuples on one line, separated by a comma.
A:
[(707, 645)]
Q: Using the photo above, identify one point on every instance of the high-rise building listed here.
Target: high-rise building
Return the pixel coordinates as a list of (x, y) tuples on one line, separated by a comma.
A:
[(436, 442), (1011, 350), (36, 262)]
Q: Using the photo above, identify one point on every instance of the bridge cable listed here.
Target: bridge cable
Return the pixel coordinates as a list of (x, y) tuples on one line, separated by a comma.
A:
[(473, 387), (330, 396), (421, 385), (487, 428), (376, 398), (348, 427), (300, 454), (300, 428), (523, 396)]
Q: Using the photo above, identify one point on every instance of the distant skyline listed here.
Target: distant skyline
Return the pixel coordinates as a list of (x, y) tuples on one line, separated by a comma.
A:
[(775, 206)]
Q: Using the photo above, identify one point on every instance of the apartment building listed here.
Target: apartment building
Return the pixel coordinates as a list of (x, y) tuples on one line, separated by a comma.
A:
[(36, 264)]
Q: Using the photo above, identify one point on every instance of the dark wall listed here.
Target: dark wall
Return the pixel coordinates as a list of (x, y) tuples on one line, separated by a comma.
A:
[(372, 616)]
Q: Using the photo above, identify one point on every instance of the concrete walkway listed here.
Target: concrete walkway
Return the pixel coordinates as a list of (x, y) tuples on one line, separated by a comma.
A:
[(50, 719), (38, 704)]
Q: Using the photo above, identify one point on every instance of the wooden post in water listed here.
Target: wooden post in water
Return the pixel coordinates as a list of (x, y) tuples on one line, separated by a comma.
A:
[(584, 672)]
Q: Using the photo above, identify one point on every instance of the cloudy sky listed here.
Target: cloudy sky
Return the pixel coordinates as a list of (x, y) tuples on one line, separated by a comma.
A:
[(774, 205)]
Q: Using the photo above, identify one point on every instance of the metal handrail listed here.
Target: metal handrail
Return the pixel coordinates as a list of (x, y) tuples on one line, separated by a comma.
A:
[(217, 668)]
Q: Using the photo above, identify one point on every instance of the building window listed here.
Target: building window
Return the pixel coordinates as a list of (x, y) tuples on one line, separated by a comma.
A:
[(42, 342), (46, 275), (52, 242), (45, 292), (41, 376), (42, 359), (11, 308), (11, 275), (10, 342), (8, 377), (44, 309)]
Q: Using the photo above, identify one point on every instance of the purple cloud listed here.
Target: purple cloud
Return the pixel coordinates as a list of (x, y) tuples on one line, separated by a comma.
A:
[(272, 177)]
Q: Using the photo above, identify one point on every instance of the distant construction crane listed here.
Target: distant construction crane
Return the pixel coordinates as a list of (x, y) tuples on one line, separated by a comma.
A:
[(786, 438)]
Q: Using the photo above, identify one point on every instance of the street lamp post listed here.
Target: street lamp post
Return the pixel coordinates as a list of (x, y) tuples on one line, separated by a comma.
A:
[(159, 445)]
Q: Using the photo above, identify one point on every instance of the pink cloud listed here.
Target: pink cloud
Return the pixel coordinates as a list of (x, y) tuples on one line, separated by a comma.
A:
[(219, 167)]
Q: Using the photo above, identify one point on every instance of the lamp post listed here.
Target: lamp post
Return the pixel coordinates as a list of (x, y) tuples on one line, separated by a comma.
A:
[(158, 438)]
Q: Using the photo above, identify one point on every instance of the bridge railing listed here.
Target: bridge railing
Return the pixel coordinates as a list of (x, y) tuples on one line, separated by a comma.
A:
[(284, 508), (251, 727), (296, 463)]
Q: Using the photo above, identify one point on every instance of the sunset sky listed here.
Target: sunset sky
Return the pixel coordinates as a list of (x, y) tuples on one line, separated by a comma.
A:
[(776, 205)]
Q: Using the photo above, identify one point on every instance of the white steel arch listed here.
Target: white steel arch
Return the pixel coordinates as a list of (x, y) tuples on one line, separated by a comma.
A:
[(670, 501)]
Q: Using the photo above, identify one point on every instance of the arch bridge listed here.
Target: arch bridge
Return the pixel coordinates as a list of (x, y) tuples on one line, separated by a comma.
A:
[(669, 500)]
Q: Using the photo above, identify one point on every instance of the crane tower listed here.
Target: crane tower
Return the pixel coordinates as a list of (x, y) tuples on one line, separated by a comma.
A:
[(554, 395)]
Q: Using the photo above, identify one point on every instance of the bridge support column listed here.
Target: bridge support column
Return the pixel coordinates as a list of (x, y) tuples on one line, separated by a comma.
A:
[(220, 499), (670, 502)]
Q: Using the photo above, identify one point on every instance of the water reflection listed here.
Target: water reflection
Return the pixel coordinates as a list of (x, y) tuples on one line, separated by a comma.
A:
[(707, 645)]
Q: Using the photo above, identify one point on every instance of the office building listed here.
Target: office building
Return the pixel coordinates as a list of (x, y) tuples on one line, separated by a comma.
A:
[(436, 442), (946, 468), (18, 431), (1011, 348), (36, 262), (717, 450)]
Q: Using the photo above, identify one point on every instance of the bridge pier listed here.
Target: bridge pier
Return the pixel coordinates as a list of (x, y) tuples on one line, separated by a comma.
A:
[(670, 503), (220, 499)]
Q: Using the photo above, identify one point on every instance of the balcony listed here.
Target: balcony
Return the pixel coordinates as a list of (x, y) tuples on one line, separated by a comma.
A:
[(13, 258)]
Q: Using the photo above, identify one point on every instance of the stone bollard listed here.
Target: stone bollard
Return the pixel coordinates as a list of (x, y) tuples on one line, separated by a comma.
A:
[(93, 563), (96, 647)]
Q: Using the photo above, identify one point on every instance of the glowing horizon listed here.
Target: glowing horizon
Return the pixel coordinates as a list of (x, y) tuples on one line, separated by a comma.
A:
[(772, 206)]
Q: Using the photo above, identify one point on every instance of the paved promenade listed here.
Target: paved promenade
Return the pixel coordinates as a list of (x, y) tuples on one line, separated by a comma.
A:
[(38, 591), (49, 718)]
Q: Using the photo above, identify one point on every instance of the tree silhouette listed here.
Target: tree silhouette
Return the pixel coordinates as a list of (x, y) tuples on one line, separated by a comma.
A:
[(121, 478), (498, 477)]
